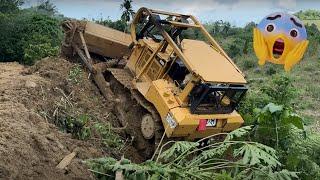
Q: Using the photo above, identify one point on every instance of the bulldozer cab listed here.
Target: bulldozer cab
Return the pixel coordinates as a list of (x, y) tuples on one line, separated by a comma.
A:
[(205, 79)]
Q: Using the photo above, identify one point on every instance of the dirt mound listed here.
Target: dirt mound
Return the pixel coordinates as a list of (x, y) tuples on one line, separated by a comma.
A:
[(31, 146)]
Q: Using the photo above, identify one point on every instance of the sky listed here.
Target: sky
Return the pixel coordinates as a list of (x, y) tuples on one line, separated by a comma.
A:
[(237, 12)]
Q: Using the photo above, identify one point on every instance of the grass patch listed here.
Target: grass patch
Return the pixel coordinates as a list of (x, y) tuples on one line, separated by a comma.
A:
[(75, 74), (83, 126)]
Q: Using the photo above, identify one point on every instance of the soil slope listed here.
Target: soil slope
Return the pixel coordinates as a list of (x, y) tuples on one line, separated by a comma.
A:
[(30, 145)]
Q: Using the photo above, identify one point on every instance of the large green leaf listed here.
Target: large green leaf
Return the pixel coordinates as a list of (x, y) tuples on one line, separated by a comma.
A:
[(238, 133), (271, 107), (293, 119), (180, 147), (214, 152), (267, 173), (255, 154)]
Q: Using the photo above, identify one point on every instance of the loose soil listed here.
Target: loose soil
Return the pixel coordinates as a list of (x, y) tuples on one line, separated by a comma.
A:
[(31, 145)]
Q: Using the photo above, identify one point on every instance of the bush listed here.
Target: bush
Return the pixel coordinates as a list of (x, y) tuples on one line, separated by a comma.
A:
[(10, 6), (248, 64), (27, 36), (303, 156), (118, 25), (280, 90), (270, 70), (37, 51), (235, 48), (279, 127), (253, 99), (274, 124)]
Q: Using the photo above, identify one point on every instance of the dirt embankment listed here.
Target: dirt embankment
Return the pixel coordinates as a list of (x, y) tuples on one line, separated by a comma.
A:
[(30, 145)]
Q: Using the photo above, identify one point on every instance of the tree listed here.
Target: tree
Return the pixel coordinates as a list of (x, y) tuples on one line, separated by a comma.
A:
[(47, 7), (128, 12), (308, 15), (10, 6), (226, 28), (28, 36), (216, 28), (118, 24)]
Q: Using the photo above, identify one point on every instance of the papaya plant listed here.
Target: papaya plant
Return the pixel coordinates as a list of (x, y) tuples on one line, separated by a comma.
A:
[(274, 124), (230, 159)]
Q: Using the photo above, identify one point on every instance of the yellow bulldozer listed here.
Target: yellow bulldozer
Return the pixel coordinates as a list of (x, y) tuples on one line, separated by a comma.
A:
[(159, 82)]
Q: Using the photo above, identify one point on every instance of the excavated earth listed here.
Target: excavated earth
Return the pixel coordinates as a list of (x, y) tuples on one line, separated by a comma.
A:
[(31, 145)]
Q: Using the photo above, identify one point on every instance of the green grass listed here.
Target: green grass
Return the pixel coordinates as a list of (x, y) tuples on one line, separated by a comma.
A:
[(75, 74)]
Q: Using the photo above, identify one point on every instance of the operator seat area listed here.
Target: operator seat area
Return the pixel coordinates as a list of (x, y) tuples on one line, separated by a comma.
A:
[(178, 71)]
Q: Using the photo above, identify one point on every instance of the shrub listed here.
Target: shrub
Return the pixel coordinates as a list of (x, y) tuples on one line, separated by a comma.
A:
[(278, 127), (248, 64), (270, 70), (280, 89), (27, 36), (274, 123), (253, 99), (234, 49), (37, 51), (10, 6), (108, 138), (303, 156), (77, 126), (118, 25), (186, 160)]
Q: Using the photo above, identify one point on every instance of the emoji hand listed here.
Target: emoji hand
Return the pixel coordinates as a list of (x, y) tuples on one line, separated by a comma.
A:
[(295, 55), (260, 47)]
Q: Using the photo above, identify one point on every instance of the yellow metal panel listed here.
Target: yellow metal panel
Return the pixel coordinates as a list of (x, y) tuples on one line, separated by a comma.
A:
[(143, 87), (161, 96), (187, 123), (154, 45), (137, 53), (106, 41), (209, 64), (108, 33), (233, 123)]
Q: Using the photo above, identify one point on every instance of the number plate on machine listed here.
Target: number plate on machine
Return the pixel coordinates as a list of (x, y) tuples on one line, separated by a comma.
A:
[(172, 123), (211, 123)]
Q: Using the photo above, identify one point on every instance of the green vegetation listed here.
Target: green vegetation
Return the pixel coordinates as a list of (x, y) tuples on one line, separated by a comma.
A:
[(30, 34), (123, 23), (230, 159), (308, 15), (128, 12), (75, 74), (81, 125)]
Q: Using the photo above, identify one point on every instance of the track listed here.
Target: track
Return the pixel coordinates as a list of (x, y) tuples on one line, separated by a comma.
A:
[(139, 117), (131, 108)]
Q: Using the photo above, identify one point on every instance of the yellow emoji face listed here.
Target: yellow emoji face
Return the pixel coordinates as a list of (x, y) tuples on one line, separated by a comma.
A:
[(281, 39)]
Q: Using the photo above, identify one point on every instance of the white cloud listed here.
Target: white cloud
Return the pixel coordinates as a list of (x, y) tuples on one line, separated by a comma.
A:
[(287, 4)]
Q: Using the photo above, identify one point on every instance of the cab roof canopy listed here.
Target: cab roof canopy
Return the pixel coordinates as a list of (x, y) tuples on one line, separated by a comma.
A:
[(210, 65), (209, 61)]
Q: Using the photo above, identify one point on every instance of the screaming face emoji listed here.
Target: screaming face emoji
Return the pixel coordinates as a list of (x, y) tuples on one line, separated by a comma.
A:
[(281, 39)]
